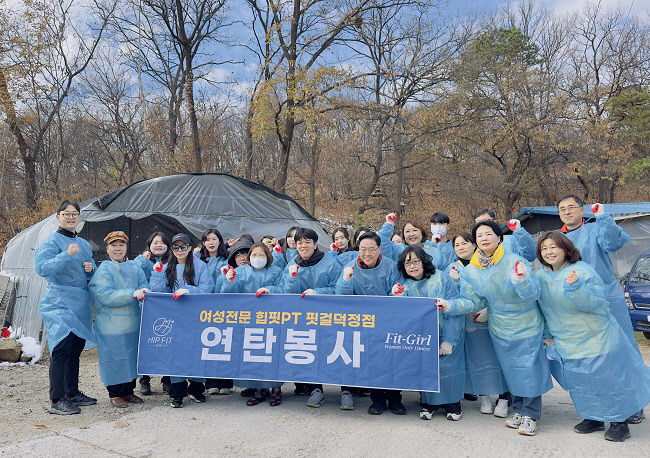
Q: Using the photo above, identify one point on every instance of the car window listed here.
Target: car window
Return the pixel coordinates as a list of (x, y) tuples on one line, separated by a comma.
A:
[(641, 272)]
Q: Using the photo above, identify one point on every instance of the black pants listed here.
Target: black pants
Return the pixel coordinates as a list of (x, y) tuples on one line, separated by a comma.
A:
[(147, 379), (218, 383), (121, 390), (64, 367), (454, 407), (392, 396), (180, 389)]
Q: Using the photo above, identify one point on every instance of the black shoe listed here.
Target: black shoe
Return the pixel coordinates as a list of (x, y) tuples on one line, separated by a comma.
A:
[(145, 388), (198, 397), (636, 418), (177, 403), (617, 432), (377, 408), (166, 387), (589, 426), (301, 389), (397, 408), (247, 393), (82, 400), (471, 397), (63, 407)]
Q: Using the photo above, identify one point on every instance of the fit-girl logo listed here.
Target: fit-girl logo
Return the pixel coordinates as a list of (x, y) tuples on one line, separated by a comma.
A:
[(410, 342), (162, 327)]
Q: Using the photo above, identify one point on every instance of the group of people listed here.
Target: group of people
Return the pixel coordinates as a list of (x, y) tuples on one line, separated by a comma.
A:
[(500, 321)]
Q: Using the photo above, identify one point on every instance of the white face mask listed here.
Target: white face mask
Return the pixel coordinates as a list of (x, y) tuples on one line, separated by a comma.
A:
[(258, 263), (439, 229)]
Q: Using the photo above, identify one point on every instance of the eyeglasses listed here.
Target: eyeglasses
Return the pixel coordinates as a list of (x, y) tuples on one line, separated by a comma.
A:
[(180, 247), (241, 255), (414, 262), (568, 209), (72, 215), (367, 250)]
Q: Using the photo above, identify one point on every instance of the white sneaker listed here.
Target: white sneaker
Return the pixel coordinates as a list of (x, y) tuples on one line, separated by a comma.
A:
[(224, 391), (514, 421), (212, 390), (501, 410), (528, 427), (454, 416), (316, 398), (426, 414), (347, 402), (486, 405)]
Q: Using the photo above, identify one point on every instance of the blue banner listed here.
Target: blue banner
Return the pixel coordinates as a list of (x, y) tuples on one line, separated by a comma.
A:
[(365, 341)]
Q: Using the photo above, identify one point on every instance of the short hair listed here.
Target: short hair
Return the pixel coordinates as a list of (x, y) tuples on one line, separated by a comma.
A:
[(571, 253), (66, 203), (578, 200), (247, 237), (427, 261), (494, 226), (417, 225), (356, 235), (484, 211), (370, 235), (465, 236), (267, 252), (439, 218), (305, 233)]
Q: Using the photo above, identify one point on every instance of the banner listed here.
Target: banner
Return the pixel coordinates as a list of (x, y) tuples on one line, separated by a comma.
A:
[(365, 341)]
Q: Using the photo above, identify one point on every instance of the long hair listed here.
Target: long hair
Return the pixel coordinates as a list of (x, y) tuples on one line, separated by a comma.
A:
[(222, 251), (188, 272), (346, 234), (355, 242), (285, 245), (165, 240)]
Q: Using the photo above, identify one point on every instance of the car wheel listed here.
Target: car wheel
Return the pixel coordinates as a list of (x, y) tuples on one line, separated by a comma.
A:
[(647, 334)]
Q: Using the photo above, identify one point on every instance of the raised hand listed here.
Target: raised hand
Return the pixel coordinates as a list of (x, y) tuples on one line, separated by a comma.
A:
[(278, 248), (572, 278), (231, 274), (73, 249), (334, 246), (520, 270), (391, 218), (454, 273), (598, 209), (158, 267), (514, 224), (293, 270), (348, 272)]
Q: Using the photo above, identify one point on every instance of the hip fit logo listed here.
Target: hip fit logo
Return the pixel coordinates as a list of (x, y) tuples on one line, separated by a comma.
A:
[(162, 326)]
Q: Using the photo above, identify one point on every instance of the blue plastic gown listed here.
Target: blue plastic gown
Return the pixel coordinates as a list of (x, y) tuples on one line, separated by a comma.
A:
[(65, 307), (147, 264), (521, 243), (393, 250), (452, 367), (117, 323), (605, 375), (377, 281), (278, 260), (515, 321), (595, 241), (320, 277), (214, 267), (483, 374), (203, 280), (447, 252), (249, 280)]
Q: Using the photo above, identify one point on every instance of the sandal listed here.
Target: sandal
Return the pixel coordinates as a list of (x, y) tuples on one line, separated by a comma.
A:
[(276, 397), (259, 396)]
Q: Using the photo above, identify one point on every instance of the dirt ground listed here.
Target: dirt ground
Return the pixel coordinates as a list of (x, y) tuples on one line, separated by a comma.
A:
[(26, 429)]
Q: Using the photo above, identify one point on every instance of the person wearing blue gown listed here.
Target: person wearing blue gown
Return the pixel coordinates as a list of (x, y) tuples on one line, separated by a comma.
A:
[(504, 283), (520, 242), (605, 375), (413, 233), (439, 227), (183, 274), (373, 275), (596, 241), (66, 262), (214, 253), (312, 272), (422, 279), (157, 251), (257, 275), (483, 376), (116, 288), (283, 253)]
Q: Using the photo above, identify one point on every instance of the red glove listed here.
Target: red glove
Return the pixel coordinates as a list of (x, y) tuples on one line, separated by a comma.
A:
[(437, 238), (391, 218), (397, 290), (278, 248), (520, 270), (454, 273), (443, 305), (225, 269), (514, 224), (261, 291), (293, 270), (180, 292), (231, 274), (598, 209), (158, 267), (348, 272), (334, 246)]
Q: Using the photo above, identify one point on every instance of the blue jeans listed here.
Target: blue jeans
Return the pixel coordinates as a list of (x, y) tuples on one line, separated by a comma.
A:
[(528, 407)]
